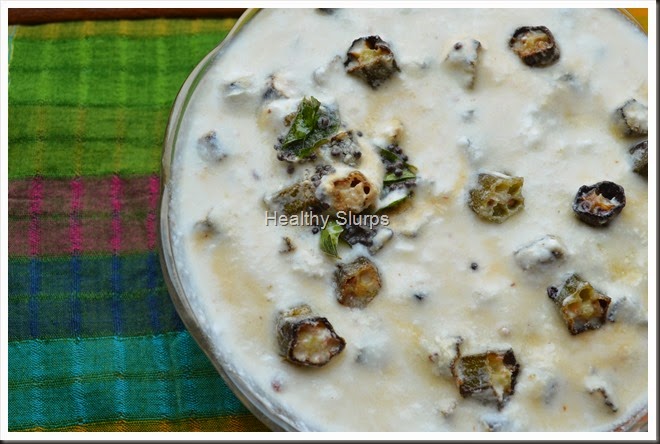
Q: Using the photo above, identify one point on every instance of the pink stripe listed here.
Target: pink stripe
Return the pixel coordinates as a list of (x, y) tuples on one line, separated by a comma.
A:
[(115, 203), (36, 194), (75, 228), (154, 192), (77, 213)]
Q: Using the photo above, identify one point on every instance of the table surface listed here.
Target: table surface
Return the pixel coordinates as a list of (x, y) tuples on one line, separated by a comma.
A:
[(94, 342)]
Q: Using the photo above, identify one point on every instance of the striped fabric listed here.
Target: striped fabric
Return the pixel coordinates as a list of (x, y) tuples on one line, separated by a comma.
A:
[(94, 342)]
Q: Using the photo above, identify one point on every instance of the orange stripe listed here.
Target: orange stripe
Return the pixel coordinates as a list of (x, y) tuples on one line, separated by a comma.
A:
[(641, 15)]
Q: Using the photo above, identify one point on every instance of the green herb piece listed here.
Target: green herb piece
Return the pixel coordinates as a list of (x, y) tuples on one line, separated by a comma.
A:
[(312, 126), (393, 178), (388, 155), (400, 177), (393, 199), (330, 238)]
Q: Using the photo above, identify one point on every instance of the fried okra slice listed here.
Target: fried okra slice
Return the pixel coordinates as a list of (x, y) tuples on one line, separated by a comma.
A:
[(542, 251), (497, 197), (307, 339), (632, 119), (582, 307), (354, 192), (489, 377), (598, 204), (296, 198), (371, 59), (640, 157), (535, 45), (358, 282), (462, 59)]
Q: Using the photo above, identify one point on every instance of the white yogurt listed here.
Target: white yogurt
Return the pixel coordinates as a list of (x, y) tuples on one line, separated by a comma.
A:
[(551, 126)]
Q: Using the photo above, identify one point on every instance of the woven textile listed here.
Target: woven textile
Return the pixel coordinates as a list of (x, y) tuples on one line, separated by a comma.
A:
[(94, 342)]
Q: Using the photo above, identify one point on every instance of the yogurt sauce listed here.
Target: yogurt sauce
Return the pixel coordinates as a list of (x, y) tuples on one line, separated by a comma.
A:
[(551, 126)]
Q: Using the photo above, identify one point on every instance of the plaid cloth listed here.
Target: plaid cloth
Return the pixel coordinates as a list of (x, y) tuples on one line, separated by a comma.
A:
[(94, 342)]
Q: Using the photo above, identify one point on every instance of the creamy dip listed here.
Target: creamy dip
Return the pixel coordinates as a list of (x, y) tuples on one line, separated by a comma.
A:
[(446, 273)]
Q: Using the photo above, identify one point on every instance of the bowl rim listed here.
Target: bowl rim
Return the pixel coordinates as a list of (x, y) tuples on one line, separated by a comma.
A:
[(266, 413), (273, 416)]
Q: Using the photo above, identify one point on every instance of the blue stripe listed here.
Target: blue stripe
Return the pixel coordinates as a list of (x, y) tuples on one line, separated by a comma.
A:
[(82, 295), (35, 288), (116, 295), (77, 387), (152, 282), (36, 373), (76, 316), (119, 356)]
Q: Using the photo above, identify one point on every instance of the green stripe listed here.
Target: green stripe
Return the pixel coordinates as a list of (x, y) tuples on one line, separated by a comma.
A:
[(64, 388), (129, 28), (141, 140), (99, 105), (113, 58)]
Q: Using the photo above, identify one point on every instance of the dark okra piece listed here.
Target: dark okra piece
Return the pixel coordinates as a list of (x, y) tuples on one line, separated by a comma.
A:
[(358, 283), (307, 339), (599, 203), (640, 157), (497, 197), (582, 307), (632, 119), (299, 197), (371, 59), (489, 377), (535, 45)]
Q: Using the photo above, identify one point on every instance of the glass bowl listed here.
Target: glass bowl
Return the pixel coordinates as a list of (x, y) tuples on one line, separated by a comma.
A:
[(270, 414)]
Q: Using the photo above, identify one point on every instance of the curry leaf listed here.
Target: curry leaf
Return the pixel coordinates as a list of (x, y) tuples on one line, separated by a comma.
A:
[(312, 126), (330, 238)]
